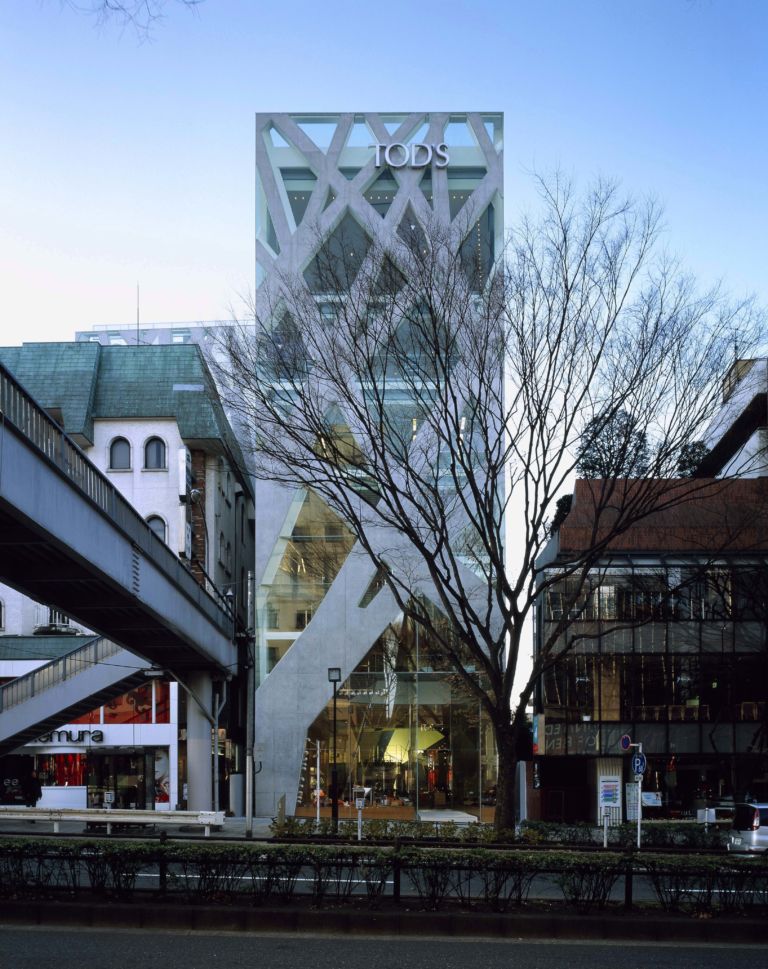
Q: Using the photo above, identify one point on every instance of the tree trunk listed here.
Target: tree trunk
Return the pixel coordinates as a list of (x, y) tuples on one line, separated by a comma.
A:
[(504, 817)]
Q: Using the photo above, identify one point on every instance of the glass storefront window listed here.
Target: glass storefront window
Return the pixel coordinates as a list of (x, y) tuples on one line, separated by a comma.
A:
[(130, 776), (408, 730), (133, 707), (162, 701), (93, 716), (62, 770)]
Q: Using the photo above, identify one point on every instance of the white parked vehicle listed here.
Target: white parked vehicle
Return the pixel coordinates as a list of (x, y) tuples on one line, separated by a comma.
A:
[(750, 828)]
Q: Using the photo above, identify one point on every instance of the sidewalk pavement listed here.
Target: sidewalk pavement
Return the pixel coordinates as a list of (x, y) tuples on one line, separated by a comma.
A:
[(232, 829)]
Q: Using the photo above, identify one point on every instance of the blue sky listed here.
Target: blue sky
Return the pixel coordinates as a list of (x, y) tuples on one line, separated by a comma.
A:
[(123, 161)]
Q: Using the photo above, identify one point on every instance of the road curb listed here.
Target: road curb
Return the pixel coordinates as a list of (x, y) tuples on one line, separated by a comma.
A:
[(644, 926)]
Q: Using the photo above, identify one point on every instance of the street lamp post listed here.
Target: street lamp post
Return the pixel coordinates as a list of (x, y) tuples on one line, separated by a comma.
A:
[(334, 676)]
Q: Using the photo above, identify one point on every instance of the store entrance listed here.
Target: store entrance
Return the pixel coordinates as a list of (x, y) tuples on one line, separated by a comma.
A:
[(130, 776)]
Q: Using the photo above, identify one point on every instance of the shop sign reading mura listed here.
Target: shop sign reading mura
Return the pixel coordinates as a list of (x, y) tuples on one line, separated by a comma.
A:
[(72, 737), (418, 155)]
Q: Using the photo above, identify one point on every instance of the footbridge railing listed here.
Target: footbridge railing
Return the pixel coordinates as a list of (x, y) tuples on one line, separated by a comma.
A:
[(57, 671), (19, 410)]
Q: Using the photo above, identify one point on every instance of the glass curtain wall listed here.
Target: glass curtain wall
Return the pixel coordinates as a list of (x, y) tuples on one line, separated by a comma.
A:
[(306, 560), (675, 657), (408, 731)]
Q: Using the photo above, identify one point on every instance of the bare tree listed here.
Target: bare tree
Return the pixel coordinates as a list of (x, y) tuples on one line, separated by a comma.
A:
[(140, 15), (427, 400)]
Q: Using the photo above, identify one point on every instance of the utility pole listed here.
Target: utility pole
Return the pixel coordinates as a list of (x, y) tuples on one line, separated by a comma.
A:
[(250, 633)]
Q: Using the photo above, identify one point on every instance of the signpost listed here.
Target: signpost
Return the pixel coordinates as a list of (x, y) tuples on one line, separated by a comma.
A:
[(359, 793), (639, 763)]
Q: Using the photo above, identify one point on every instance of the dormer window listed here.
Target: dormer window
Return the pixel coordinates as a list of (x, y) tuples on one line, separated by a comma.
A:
[(120, 455)]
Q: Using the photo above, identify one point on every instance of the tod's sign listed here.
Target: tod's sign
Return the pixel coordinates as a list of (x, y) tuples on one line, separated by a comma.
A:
[(418, 155)]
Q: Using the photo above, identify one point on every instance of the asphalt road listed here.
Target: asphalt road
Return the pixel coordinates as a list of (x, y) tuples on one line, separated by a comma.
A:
[(41, 948)]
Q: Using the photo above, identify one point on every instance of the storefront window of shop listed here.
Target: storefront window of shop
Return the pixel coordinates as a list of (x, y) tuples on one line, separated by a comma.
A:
[(408, 731), (62, 770), (162, 701), (93, 716), (129, 775), (674, 657), (134, 707)]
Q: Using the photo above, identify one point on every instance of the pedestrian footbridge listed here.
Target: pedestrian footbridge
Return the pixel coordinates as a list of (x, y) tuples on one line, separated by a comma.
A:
[(69, 686), (69, 539)]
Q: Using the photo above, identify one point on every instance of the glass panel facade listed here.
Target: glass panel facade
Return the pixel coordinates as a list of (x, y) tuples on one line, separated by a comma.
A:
[(382, 193), (674, 657), (339, 259), (133, 707), (299, 184), (408, 730), (309, 555)]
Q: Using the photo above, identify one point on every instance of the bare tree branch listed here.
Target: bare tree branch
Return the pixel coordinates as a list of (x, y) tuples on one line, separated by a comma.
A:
[(425, 399), (142, 16)]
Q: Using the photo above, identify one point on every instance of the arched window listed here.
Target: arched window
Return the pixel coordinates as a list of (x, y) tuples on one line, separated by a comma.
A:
[(154, 454), (157, 525), (120, 455)]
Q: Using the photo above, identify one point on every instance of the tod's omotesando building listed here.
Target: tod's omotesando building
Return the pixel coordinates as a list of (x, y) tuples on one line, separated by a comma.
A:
[(406, 731)]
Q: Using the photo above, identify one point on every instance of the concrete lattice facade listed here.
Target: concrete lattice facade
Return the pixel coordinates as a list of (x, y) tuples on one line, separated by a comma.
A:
[(369, 174)]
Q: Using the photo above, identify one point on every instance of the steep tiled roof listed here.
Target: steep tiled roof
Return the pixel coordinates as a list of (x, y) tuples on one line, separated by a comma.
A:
[(87, 381), (59, 375), (691, 516)]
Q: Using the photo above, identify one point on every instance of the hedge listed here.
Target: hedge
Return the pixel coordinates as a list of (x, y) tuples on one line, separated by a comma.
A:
[(468, 877)]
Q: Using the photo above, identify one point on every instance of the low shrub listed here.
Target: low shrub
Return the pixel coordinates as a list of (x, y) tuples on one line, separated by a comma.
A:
[(586, 880), (467, 875), (707, 883), (655, 834)]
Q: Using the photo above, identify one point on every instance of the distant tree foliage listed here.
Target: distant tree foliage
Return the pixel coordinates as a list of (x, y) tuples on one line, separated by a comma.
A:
[(613, 446), (691, 456), (562, 508)]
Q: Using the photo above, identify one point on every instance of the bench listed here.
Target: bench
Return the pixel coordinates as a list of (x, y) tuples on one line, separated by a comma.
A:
[(115, 817)]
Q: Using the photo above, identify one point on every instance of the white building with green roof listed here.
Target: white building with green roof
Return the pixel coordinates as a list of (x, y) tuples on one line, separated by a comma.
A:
[(150, 419)]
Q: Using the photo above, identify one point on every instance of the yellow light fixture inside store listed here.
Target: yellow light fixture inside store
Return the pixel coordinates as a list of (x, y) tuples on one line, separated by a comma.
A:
[(399, 745)]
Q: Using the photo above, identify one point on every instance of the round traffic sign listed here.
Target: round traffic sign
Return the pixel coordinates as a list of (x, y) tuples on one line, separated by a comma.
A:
[(626, 742), (639, 763)]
